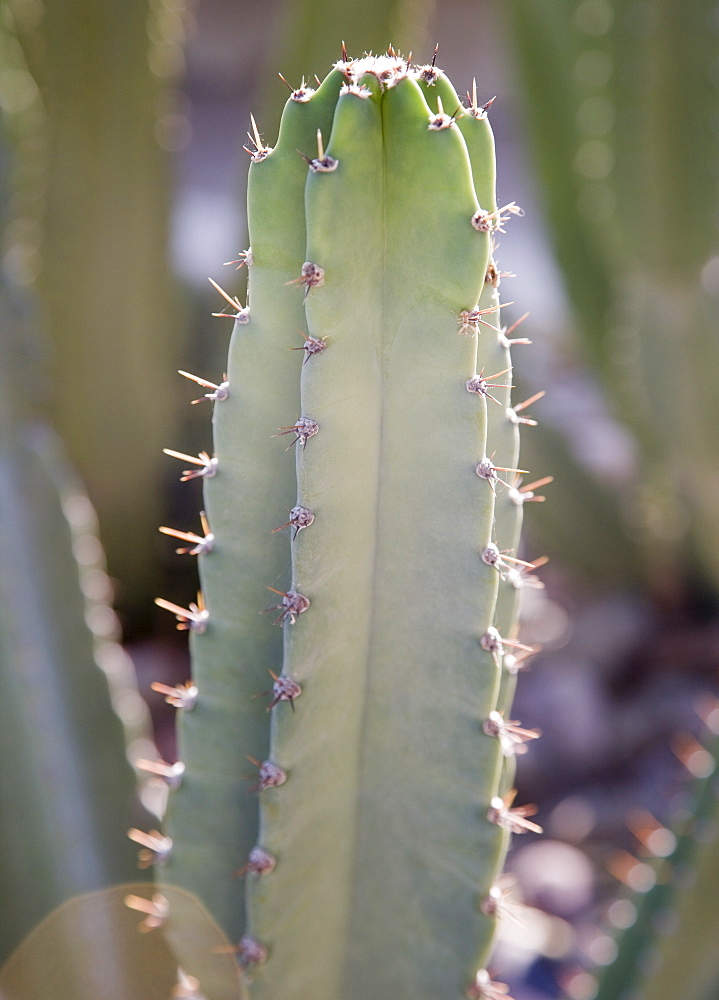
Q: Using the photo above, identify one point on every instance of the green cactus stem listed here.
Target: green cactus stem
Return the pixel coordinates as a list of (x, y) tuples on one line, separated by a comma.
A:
[(245, 502), (67, 790), (633, 221), (494, 362), (380, 746), (670, 947)]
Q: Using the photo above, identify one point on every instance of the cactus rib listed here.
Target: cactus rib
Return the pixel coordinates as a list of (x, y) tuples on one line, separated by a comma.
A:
[(212, 817)]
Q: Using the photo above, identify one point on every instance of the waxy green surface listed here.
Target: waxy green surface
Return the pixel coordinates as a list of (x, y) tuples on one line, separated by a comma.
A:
[(382, 847), (212, 818), (383, 850)]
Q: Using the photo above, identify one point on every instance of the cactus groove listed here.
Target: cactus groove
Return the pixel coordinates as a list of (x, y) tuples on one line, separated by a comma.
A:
[(381, 827)]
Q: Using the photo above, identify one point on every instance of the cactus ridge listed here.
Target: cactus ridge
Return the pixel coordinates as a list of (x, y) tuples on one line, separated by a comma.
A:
[(228, 721), (384, 813)]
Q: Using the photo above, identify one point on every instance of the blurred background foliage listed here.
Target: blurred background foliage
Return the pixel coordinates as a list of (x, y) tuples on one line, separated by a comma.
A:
[(122, 190)]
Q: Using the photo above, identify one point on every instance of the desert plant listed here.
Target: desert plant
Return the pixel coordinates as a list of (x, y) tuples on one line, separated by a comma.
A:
[(598, 79), (668, 946), (87, 99), (69, 705), (365, 799)]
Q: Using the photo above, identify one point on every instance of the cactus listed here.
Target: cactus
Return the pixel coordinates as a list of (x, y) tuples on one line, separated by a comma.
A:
[(70, 794), (69, 706), (64, 774), (372, 345), (90, 208), (598, 78), (668, 949), (69, 703)]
